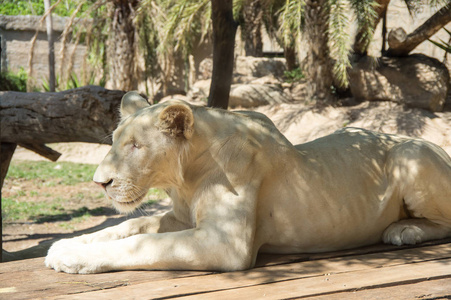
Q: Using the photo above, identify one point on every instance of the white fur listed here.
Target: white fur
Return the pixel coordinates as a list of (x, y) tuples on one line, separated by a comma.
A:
[(239, 187)]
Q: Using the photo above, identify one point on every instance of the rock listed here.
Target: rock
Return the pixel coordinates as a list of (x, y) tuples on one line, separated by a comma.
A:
[(256, 82), (262, 91), (416, 80), (205, 68), (250, 66), (298, 91), (268, 79), (184, 98), (174, 97), (247, 68), (253, 95), (200, 89)]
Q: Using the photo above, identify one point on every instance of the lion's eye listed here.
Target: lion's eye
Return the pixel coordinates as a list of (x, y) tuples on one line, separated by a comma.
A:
[(136, 145)]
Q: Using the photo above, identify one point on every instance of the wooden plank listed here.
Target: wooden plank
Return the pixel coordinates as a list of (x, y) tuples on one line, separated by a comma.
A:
[(274, 259), (31, 279), (259, 279), (333, 283), (430, 289)]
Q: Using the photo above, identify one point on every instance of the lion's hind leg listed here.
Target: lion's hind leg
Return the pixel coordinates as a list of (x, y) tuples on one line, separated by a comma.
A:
[(414, 231), (422, 173)]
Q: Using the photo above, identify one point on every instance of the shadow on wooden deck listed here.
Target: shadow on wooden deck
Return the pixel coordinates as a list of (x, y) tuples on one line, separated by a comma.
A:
[(376, 272)]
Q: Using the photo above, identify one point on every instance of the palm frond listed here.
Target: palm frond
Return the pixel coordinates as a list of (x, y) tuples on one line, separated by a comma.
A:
[(339, 40), (442, 45), (365, 15), (148, 35), (185, 21), (446, 46), (290, 20), (238, 8), (439, 3), (414, 6)]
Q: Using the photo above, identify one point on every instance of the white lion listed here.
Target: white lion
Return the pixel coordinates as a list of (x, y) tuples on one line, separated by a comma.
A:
[(239, 187)]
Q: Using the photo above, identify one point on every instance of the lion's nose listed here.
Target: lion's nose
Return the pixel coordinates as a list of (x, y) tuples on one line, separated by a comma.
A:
[(104, 184)]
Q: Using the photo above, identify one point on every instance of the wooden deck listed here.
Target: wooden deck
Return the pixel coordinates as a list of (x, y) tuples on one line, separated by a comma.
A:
[(377, 272)]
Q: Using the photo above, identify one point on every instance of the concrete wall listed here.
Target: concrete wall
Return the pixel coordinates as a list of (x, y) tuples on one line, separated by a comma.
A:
[(16, 33)]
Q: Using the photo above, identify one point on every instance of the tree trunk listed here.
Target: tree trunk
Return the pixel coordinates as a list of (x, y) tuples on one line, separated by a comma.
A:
[(251, 29), (51, 47), (87, 114), (384, 33), (224, 30), (400, 44), (121, 44), (7, 151), (361, 43), (318, 62), (290, 57)]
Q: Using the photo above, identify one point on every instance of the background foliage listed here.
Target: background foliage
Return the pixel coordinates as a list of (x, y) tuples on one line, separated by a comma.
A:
[(36, 7)]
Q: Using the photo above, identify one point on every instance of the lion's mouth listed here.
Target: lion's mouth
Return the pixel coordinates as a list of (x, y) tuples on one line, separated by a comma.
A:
[(128, 206)]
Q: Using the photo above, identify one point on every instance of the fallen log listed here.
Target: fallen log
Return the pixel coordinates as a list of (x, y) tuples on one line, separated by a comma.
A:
[(87, 114)]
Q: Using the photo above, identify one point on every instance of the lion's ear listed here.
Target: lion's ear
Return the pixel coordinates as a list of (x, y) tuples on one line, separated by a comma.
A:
[(177, 120), (131, 103)]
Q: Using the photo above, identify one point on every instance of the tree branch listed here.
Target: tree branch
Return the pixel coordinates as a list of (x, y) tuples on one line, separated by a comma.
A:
[(401, 44), (42, 150)]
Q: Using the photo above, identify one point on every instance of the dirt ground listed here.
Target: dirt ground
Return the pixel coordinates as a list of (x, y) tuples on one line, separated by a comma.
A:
[(297, 121)]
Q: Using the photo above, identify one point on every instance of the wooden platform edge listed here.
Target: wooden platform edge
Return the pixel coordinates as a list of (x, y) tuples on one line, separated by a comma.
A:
[(303, 279)]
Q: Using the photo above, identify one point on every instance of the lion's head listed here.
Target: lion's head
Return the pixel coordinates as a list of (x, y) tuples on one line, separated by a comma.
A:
[(146, 150)]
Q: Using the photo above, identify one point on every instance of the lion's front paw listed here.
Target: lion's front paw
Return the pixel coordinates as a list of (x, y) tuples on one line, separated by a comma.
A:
[(72, 257)]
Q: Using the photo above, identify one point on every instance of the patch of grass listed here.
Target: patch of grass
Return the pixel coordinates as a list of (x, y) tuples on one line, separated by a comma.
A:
[(15, 209), (36, 201), (13, 81), (150, 202), (156, 194), (67, 226), (21, 193), (294, 75), (51, 173), (33, 194), (99, 195)]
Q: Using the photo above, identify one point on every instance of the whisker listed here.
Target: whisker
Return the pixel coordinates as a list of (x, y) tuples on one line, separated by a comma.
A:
[(106, 139)]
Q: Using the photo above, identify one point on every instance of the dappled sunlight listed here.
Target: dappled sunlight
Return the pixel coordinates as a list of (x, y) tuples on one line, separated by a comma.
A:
[(300, 124), (406, 121), (270, 268), (334, 188)]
